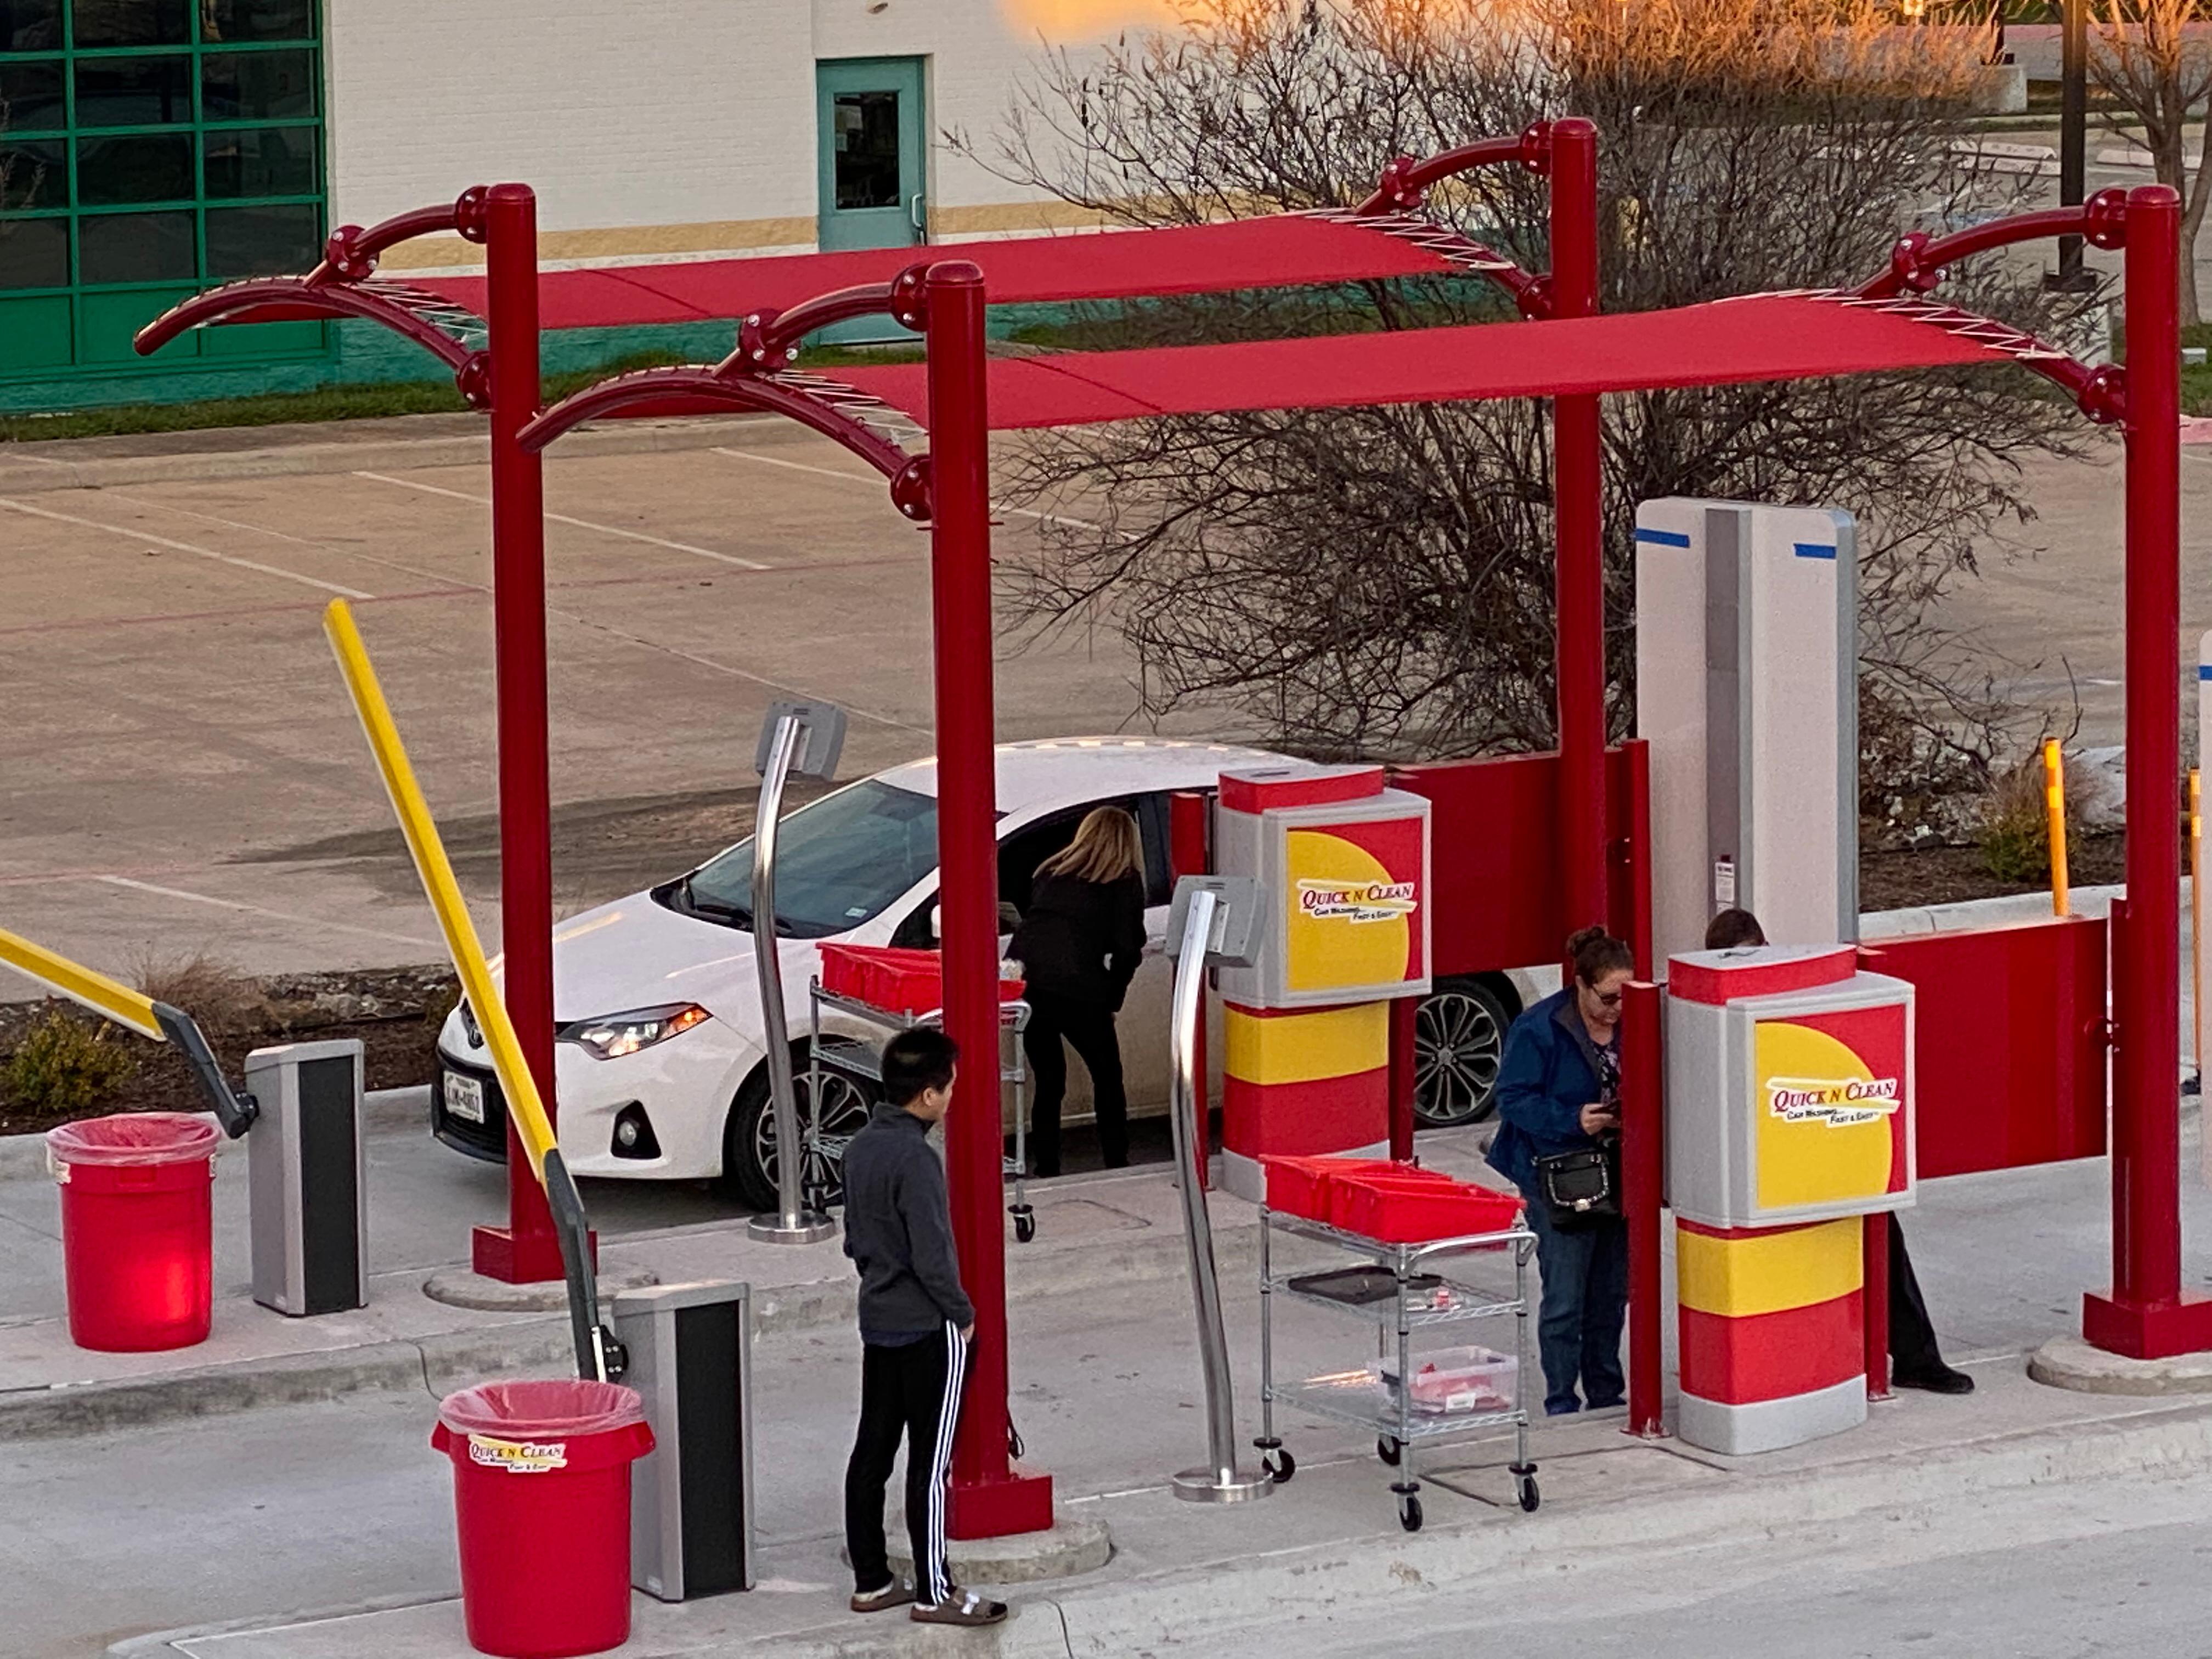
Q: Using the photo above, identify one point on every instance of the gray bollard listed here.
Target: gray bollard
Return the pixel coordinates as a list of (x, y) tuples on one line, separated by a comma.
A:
[(689, 1352), (304, 1177)]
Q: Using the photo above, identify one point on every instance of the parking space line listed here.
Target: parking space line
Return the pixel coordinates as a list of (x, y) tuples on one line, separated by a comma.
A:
[(580, 523), (275, 915), (869, 477), (283, 535), (143, 537)]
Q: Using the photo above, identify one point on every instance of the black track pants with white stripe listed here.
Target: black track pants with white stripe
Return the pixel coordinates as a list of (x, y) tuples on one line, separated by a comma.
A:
[(911, 1391)]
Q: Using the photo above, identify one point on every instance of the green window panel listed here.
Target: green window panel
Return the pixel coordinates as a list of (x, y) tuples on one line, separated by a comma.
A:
[(34, 334), (150, 149)]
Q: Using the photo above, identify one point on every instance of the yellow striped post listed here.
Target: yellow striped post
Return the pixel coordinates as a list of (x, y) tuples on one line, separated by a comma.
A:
[(2054, 807)]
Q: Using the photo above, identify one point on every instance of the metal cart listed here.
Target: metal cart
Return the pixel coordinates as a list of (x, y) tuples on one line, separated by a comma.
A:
[(1403, 1288), (830, 1052)]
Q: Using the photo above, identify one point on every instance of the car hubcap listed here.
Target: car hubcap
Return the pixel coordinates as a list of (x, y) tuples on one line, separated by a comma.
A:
[(1457, 1048), (843, 1112)]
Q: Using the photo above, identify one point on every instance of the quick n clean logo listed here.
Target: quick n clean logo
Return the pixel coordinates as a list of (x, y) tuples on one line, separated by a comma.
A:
[(1368, 901), (518, 1456), (1837, 1102)]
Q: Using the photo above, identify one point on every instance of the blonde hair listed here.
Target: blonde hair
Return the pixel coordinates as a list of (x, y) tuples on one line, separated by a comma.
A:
[(1105, 848)]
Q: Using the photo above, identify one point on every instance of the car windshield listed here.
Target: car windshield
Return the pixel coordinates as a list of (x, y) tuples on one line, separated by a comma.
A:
[(839, 861)]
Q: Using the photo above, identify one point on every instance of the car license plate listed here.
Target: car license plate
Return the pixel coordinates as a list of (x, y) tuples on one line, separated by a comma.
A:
[(464, 1098)]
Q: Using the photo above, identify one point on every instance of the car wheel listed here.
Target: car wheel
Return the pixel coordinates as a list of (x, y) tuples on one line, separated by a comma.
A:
[(750, 1164), (1459, 1038)]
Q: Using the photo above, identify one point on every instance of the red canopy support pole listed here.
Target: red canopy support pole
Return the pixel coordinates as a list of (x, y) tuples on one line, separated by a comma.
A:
[(1190, 853), (1643, 1179), (1577, 485), (990, 1498), (2146, 1316), (526, 1250)]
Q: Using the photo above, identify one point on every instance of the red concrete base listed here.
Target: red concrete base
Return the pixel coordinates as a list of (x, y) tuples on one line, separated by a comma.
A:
[(2157, 1330), (998, 1509), (529, 1259)]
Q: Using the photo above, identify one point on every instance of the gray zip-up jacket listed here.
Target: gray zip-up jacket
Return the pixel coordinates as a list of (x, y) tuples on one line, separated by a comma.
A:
[(898, 1230)]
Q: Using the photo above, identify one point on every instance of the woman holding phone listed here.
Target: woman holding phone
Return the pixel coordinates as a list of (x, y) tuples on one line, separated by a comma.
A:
[(1558, 1093)]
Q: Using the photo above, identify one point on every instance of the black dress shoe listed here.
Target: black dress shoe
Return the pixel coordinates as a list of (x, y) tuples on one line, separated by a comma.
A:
[(1938, 1378)]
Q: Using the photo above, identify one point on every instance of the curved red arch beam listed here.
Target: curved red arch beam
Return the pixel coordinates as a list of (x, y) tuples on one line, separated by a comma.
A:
[(695, 390), (1918, 262), (277, 299)]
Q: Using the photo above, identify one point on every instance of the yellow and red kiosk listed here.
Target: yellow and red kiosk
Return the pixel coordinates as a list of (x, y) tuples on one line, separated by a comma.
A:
[(1790, 1104), (1342, 867)]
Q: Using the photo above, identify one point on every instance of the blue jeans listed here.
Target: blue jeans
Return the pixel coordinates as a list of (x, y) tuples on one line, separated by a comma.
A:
[(1585, 1302)]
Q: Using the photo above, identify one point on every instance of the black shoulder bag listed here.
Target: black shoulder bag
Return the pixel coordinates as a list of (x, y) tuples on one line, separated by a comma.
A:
[(1582, 1188)]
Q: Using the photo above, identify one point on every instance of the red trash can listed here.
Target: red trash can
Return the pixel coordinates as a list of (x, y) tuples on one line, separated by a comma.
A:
[(138, 1228), (541, 1493)]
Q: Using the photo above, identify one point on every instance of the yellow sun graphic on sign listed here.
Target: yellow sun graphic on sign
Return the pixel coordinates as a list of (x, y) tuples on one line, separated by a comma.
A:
[(1348, 945), (1805, 1154)]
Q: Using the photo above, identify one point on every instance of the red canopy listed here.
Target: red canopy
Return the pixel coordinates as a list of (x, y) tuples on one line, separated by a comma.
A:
[(1760, 337), (1287, 251)]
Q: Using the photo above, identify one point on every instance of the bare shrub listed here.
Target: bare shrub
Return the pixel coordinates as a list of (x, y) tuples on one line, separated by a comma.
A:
[(215, 994)]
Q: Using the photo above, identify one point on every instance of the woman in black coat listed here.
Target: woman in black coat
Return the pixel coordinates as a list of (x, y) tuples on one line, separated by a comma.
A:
[(1079, 944)]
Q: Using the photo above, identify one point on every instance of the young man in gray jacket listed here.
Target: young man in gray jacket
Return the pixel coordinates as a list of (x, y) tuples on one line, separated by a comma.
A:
[(915, 1321)]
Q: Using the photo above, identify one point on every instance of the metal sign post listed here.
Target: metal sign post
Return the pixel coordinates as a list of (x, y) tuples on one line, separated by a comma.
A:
[(804, 737), (1212, 923)]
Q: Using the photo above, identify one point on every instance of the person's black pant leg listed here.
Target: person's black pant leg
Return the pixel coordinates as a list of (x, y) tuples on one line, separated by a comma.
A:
[(1091, 1032), (883, 1420), (1048, 1070), (935, 1370), (1911, 1334)]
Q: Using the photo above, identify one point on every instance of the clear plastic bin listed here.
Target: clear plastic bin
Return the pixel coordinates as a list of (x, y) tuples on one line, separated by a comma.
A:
[(1448, 1382)]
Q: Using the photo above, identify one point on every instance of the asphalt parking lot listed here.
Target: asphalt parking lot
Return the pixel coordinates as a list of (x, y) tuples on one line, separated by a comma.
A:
[(185, 773)]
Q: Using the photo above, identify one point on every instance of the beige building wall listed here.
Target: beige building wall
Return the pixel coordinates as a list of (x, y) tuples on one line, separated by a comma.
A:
[(659, 128)]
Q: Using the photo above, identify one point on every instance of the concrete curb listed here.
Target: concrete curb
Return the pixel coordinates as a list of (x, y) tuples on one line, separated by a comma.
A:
[(1369, 1579), (30, 474), (452, 1359), (24, 1156)]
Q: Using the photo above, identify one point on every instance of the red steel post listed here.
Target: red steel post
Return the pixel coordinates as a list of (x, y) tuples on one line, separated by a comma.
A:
[(1188, 854), (1875, 1301), (1643, 1182), (989, 1497), (524, 1250), (1403, 1067), (1577, 485), (2146, 1315)]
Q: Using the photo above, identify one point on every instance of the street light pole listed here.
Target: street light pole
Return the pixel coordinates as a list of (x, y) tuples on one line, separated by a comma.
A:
[(2073, 134)]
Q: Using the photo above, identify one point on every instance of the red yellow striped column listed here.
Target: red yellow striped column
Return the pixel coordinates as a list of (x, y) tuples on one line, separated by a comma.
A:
[(1772, 1333), (1303, 1081)]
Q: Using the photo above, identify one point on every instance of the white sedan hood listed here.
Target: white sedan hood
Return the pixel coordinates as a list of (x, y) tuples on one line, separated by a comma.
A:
[(634, 953)]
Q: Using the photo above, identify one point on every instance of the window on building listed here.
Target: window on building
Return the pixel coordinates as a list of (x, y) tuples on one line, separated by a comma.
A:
[(150, 149)]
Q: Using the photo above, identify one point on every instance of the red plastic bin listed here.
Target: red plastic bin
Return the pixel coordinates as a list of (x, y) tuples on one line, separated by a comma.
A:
[(138, 1228), (894, 977), (541, 1499), (1399, 1211)]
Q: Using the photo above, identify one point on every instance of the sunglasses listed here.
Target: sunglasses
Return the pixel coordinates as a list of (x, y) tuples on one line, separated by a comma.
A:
[(1606, 999)]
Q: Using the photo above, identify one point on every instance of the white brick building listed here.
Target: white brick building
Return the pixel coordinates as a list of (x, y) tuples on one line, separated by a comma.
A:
[(155, 147)]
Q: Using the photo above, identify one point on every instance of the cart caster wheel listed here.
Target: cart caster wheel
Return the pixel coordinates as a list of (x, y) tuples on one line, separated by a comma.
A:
[(1389, 1449), (1526, 1488), (1024, 1224), (1281, 1466), (1409, 1513)]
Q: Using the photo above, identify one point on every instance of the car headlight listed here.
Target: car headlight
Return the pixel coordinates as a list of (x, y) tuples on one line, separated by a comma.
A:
[(618, 1035)]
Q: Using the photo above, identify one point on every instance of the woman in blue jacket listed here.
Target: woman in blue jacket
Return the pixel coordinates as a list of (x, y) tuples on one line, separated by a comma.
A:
[(1558, 1091)]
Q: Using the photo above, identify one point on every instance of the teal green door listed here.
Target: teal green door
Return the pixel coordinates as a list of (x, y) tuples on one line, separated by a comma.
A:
[(874, 140)]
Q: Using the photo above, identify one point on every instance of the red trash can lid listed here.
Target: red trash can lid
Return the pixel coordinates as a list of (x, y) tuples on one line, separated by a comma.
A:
[(134, 1137), (542, 1409)]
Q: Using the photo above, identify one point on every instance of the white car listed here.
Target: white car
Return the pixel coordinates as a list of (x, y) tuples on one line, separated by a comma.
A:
[(660, 1069)]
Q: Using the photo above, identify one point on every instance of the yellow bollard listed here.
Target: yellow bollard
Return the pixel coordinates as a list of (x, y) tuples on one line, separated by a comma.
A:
[(2054, 805)]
